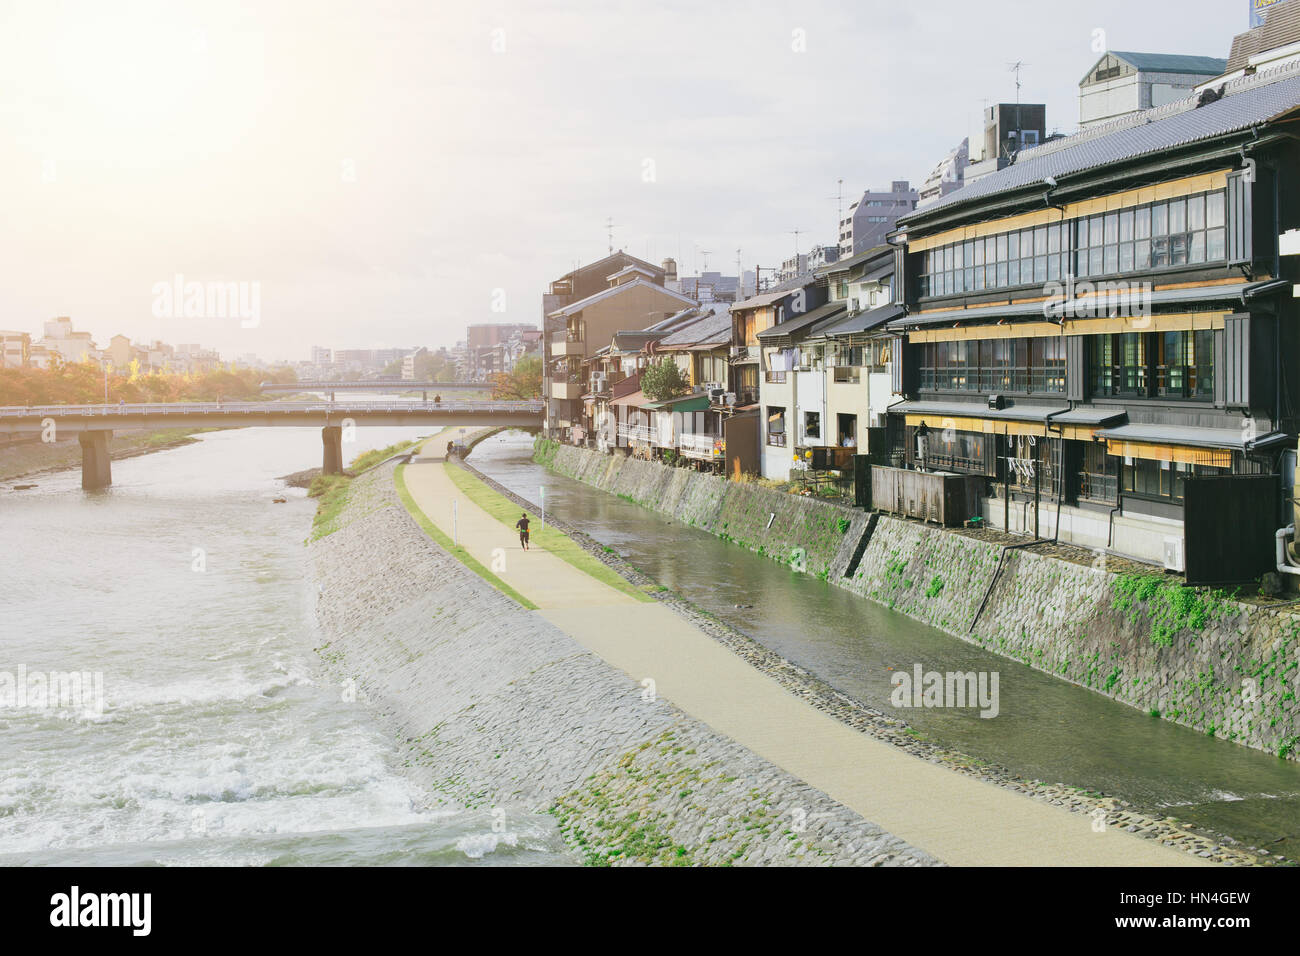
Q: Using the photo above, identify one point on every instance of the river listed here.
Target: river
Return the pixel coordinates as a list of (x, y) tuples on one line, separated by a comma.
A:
[(220, 741), (1046, 729)]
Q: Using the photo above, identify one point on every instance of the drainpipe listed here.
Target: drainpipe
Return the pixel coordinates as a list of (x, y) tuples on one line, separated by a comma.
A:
[(1284, 565), (1060, 477)]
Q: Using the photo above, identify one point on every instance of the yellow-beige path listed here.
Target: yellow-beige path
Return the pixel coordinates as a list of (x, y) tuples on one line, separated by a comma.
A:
[(956, 818)]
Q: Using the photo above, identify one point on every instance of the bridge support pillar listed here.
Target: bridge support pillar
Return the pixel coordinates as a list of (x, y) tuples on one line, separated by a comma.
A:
[(332, 437), (96, 467)]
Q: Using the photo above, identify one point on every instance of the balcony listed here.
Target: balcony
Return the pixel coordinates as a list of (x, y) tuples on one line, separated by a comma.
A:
[(641, 433), (567, 344), (707, 447), (567, 389)]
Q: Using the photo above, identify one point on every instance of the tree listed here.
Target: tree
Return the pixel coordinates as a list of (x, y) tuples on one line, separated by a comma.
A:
[(662, 381), (523, 383)]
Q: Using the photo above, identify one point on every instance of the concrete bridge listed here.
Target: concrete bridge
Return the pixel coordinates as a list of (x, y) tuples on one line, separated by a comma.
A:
[(93, 424), (424, 388)]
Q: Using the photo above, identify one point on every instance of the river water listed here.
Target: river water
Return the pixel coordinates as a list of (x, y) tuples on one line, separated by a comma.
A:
[(1046, 729), (220, 741)]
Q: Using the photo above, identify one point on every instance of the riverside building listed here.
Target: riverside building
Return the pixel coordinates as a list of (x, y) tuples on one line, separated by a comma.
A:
[(1105, 323)]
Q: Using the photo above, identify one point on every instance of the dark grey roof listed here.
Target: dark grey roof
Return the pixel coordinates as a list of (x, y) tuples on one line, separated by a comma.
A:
[(1090, 416), (847, 263), (1178, 435), (1217, 293), (861, 322), (1280, 29), (708, 329), (1016, 411), (1249, 101), (1173, 63), (803, 323)]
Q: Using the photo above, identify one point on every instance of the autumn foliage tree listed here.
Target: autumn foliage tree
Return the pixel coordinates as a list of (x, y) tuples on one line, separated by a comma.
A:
[(82, 383), (523, 383)]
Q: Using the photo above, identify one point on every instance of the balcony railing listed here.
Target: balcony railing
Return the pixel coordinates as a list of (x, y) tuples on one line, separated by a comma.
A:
[(702, 446), (1005, 379), (776, 439), (643, 433), (1098, 487)]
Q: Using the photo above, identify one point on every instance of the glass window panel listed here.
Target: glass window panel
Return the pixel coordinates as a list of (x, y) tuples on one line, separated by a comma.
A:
[(1002, 248), (1095, 261), (979, 253), (1214, 209), (1054, 267), (1013, 272), (1142, 254), (1159, 252), (1040, 269), (1142, 223), (1160, 219), (958, 256), (1177, 216), (1126, 257), (1081, 234), (979, 278), (1013, 246), (1112, 227), (969, 254), (1125, 225), (1096, 236), (1215, 248), (968, 281), (1054, 238), (1002, 273), (1196, 251), (1178, 249), (1195, 212), (1040, 241), (1112, 259)]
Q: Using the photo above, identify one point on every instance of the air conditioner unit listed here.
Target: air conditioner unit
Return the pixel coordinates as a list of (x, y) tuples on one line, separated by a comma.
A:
[(599, 382), (736, 351), (997, 402), (1174, 555), (713, 386), (716, 393)]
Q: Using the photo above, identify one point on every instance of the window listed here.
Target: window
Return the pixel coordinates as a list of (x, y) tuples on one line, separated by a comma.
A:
[(1176, 232), (1025, 366), (812, 425), (1178, 365), (1160, 480), (776, 426)]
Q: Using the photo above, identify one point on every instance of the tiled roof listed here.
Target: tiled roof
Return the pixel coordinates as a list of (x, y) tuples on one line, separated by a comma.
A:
[(1280, 29), (711, 329), (1173, 63), (1249, 101)]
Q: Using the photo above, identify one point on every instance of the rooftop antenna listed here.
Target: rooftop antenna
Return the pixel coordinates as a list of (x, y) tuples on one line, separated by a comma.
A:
[(795, 233), (1016, 68), (704, 257), (609, 228)]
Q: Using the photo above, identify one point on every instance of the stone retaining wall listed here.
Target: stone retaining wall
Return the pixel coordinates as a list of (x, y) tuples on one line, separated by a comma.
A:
[(1224, 668), (497, 708)]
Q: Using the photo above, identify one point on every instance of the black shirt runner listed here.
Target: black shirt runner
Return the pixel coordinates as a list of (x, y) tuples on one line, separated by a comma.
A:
[(522, 525)]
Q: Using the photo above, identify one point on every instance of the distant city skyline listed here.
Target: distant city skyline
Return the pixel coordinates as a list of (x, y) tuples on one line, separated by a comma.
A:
[(468, 156)]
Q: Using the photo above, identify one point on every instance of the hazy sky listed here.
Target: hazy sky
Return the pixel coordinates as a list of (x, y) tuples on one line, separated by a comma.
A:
[(382, 169)]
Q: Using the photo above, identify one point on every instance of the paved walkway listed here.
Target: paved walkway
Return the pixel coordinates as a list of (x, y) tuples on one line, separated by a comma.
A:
[(957, 819)]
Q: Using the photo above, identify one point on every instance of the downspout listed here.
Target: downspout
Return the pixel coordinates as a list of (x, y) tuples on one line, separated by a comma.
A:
[(1060, 477)]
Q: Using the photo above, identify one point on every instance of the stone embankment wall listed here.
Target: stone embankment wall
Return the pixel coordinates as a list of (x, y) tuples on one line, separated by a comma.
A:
[(1200, 659), (497, 708)]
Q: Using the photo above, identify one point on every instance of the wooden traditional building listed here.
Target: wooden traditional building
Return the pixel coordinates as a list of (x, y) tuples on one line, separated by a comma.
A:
[(1108, 318)]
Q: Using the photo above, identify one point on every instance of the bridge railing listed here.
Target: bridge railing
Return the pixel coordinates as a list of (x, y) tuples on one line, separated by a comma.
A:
[(286, 409)]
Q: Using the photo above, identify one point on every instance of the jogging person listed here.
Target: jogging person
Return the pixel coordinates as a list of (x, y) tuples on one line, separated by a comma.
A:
[(522, 525)]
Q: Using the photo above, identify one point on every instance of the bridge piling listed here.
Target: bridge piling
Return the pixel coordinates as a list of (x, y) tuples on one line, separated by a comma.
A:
[(96, 466), (332, 437)]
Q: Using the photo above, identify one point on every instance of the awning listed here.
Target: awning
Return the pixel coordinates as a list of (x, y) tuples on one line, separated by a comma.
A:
[(1018, 419), (863, 321), (803, 323), (1181, 443), (632, 398), (1078, 309), (687, 403), (1082, 424)]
